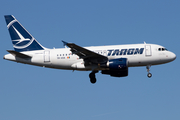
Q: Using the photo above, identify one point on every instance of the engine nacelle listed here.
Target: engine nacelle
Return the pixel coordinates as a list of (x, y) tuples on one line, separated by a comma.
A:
[(117, 67), (117, 64)]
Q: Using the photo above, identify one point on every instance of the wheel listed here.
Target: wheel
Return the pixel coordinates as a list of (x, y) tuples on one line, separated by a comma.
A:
[(149, 75), (92, 77), (93, 80)]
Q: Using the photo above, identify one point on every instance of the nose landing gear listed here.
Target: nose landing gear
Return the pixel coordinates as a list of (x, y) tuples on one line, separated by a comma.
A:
[(149, 75), (148, 69)]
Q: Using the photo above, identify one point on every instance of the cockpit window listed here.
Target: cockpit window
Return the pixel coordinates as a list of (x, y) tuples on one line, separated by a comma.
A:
[(162, 49)]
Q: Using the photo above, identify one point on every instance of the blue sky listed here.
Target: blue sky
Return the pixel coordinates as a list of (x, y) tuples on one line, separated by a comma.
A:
[(35, 93)]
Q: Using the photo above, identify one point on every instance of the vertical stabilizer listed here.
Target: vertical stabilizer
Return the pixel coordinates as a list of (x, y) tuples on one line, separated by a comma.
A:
[(22, 40)]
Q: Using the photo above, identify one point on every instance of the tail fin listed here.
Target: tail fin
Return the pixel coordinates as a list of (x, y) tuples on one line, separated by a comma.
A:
[(22, 40)]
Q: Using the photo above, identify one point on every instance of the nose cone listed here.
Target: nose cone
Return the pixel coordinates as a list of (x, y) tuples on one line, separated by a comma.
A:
[(173, 56)]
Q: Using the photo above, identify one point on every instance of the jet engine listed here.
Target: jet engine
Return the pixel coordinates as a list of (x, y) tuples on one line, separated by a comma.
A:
[(117, 67)]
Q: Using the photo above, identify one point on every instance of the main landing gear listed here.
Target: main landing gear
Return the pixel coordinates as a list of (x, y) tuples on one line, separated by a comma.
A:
[(92, 76), (148, 69)]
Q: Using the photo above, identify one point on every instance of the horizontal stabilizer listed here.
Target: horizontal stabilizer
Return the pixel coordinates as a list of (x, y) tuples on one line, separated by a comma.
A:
[(18, 54)]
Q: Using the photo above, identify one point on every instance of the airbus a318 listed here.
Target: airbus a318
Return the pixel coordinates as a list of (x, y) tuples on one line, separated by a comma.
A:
[(113, 60)]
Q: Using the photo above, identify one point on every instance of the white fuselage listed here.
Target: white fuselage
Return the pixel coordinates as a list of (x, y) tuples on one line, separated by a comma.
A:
[(150, 54)]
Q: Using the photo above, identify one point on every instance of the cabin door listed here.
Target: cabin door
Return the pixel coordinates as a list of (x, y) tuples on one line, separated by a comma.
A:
[(148, 50), (46, 56)]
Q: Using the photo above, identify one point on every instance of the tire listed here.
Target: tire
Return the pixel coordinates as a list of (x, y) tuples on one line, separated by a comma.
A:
[(149, 75), (92, 78)]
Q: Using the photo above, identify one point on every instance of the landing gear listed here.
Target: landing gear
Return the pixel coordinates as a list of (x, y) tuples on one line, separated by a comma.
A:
[(148, 69), (92, 77), (149, 75)]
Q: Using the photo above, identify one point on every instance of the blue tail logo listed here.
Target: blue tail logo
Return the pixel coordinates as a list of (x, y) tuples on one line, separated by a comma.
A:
[(22, 40)]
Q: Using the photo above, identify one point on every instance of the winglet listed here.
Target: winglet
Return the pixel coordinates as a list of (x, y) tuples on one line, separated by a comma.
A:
[(65, 43)]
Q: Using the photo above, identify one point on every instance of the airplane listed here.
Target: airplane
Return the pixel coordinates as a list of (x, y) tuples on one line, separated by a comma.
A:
[(113, 60)]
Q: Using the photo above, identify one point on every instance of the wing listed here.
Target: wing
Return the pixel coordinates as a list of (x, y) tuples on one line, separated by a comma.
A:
[(86, 54)]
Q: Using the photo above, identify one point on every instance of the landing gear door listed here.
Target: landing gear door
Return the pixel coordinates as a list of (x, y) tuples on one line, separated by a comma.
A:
[(46, 56), (148, 50)]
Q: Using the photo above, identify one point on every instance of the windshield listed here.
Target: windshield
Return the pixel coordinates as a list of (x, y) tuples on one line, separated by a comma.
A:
[(162, 49)]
